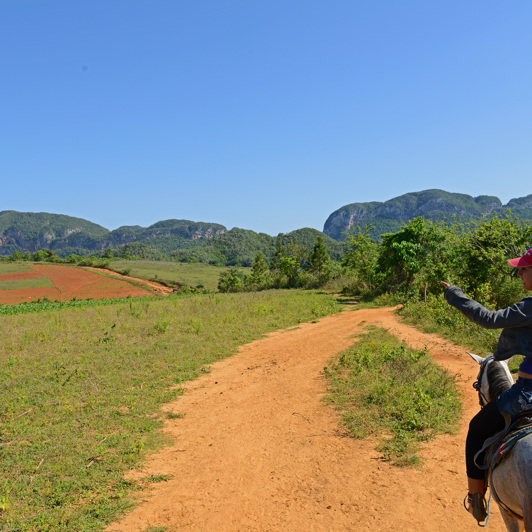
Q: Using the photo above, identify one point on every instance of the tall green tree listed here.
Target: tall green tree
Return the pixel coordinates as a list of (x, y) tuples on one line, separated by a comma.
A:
[(415, 258), (280, 252), (361, 255), (297, 250), (481, 265), (319, 261), (291, 268), (259, 269)]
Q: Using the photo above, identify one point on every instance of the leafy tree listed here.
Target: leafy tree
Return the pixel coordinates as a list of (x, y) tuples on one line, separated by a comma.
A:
[(43, 255), (280, 252), (319, 262), (361, 255), (414, 258), (298, 251), (482, 252), (232, 280), (291, 268), (259, 270), (73, 259)]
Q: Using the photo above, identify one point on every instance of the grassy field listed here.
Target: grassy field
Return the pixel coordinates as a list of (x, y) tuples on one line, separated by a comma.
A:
[(171, 273), (47, 305), (82, 387), (19, 284), (13, 267)]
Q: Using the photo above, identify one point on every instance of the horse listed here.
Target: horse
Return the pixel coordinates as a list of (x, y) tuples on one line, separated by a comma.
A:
[(511, 480)]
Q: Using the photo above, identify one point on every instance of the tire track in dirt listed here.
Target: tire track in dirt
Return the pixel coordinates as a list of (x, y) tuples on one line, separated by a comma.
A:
[(258, 450)]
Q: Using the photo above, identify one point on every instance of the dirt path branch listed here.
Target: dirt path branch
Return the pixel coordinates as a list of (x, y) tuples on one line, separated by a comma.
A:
[(258, 450)]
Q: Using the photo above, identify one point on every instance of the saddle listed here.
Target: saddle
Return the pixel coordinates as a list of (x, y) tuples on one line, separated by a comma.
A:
[(499, 448)]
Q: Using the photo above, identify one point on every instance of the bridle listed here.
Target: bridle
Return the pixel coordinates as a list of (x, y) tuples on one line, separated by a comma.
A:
[(482, 399)]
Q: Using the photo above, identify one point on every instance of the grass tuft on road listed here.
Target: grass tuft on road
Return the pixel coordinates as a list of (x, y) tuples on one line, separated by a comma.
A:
[(400, 395)]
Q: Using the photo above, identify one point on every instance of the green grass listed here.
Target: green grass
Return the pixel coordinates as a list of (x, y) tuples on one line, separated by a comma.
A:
[(13, 267), (81, 389), (437, 316), (173, 273), (47, 305), (398, 395), (19, 284)]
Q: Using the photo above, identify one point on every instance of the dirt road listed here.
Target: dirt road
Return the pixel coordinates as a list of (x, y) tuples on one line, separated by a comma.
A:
[(258, 450)]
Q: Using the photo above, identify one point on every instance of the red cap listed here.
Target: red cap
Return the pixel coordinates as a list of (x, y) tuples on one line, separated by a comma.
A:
[(523, 261)]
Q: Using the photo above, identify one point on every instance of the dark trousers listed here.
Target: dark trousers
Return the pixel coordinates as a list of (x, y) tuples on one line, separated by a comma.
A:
[(486, 423)]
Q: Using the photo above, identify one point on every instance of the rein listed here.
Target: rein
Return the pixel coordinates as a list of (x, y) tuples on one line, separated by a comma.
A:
[(482, 399)]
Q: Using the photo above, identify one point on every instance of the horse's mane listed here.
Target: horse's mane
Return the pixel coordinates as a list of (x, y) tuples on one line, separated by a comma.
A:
[(497, 379)]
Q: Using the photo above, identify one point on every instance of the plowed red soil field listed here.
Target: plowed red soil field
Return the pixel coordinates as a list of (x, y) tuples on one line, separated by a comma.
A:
[(68, 283)]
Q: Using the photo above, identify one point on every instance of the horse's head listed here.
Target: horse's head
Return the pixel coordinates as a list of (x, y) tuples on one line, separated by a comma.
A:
[(493, 378)]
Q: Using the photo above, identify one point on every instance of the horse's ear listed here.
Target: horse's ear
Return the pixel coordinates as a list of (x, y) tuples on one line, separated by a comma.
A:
[(478, 359)]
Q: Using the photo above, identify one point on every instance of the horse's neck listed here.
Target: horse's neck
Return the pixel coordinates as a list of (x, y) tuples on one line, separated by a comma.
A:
[(499, 378)]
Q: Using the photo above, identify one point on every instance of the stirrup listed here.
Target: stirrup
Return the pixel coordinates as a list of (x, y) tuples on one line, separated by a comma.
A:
[(478, 504)]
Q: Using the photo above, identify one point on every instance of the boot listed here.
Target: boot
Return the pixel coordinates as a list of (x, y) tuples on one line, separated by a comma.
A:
[(477, 506)]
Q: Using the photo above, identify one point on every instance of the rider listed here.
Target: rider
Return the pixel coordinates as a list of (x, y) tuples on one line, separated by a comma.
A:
[(516, 338)]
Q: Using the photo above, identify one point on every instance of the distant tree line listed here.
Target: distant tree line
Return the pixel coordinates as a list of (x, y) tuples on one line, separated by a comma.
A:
[(408, 264), (411, 262), (291, 266), (49, 255), (237, 247)]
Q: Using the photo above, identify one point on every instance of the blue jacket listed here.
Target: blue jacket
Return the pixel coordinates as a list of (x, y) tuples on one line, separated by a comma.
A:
[(515, 322)]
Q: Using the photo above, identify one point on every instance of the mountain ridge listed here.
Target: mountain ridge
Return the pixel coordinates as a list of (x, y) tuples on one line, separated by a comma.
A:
[(23, 231), (212, 242), (433, 204)]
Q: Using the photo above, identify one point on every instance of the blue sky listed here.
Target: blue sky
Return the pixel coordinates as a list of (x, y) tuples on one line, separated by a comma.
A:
[(261, 115)]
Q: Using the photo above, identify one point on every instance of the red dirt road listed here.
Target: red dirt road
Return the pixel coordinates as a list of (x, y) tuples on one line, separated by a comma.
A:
[(258, 450), (68, 283), (159, 288)]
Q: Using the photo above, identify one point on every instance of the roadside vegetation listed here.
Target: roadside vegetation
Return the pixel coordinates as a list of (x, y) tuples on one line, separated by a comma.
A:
[(399, 395)]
